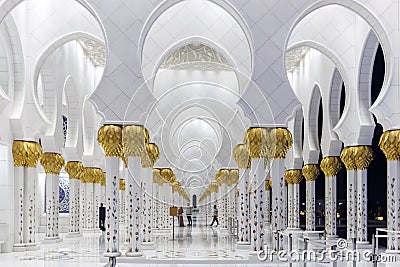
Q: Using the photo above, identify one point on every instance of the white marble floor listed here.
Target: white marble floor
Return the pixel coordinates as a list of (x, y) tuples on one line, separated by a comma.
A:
[(199, 245)]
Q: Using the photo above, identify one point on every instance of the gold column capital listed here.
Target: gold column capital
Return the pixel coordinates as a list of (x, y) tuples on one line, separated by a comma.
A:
[(357, 157), (241, 155), (103, 179), (110, 138), (89, 175), (52, 163), (98, 175), (293, 176), (19, 153), (134, 140), (331, 166), (74, 169), (256, 141), (26, 153), (389, 143), (151, 155), (157, 178), (279, 140), (363, 156), (310, 172), (34, 153), (348, 158), (168, 175)]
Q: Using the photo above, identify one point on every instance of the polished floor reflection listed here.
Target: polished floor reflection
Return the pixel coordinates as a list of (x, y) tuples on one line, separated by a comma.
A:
[(199, 245)]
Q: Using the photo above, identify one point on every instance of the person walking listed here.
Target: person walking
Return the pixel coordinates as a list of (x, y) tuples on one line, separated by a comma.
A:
[(189, 214), (215, 216)]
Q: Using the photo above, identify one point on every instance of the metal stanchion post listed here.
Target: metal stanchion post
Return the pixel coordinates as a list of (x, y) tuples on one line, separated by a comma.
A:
[(354, 252), (333, 248), (373, 256), (306, 250)]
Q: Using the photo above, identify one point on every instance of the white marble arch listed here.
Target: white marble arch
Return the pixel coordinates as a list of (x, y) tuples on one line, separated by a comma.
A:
[(294, 156), (33, 28), (354, 27)]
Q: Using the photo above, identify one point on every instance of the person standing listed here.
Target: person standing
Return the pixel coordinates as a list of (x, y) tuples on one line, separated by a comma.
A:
[(189, 214), (180, 216), (215, 216), (102, 217)]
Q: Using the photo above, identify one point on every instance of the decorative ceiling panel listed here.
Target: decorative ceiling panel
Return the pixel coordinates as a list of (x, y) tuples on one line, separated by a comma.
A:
[(196, 56), (94, 50)]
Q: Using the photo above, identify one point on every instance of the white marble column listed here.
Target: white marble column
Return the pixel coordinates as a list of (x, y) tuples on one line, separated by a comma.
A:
[(267, 212), (52, 164), (285, 206), (296, 206), (75, 170), (310, 172), (224, 205), (278, 183), (156, 205), (290, 202), (97, 200), (82, 203), (390, 145), (122, 201), (110, 138), (134, 195), (30, 228), (243, 207), (347, 156), (89, 203), (393, 200), (293, 178), (330, 166), (103, 189), (19, 204), (147, 206), (363, 157)]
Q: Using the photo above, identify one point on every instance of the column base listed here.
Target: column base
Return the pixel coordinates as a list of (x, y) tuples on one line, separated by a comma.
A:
[(363, 245), (52, 240), (73, 235), (19, 247), (312, 234), (332, 237), (148, 246), (112, 254), (87, 230), (134, 254), (243, 245), (392, 251), (32, 247)]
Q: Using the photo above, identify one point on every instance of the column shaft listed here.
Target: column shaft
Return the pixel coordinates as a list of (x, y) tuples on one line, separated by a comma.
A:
[(290, 188), (362, 213), (97, 201), (310, 205), (351, 204), (393, 203), (134, 194), (278, 183), (296, 206), (330, 206), (258, 199), (112, 212), (89, 206), (19, 209)]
